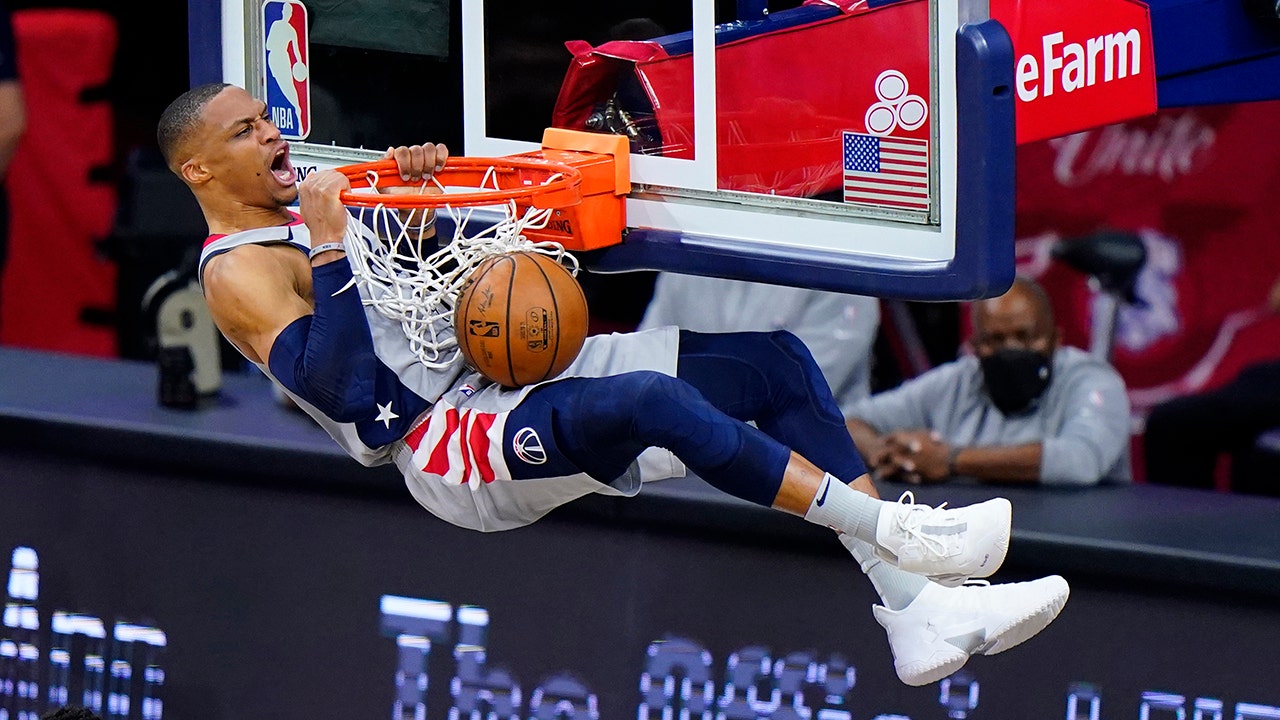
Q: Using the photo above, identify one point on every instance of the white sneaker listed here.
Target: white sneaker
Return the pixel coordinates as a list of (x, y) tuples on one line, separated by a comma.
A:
[(947, 545), (934, 636)]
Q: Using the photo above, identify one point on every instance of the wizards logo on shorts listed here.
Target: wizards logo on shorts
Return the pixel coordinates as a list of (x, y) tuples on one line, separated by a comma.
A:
[(528, 446), (286, 61), (531, 450)]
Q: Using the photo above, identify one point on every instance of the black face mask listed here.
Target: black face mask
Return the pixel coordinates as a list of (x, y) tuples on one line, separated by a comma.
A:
[(1015, 378)]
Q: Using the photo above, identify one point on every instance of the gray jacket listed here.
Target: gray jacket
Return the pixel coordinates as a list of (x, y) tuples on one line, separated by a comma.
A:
[(1082, 420)]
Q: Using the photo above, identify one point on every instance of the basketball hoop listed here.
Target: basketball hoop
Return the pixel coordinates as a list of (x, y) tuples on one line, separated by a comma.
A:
[(547, 202), (528, 180)]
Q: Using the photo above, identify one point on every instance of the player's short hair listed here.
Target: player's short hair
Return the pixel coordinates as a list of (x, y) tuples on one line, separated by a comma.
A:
[(180, 118)]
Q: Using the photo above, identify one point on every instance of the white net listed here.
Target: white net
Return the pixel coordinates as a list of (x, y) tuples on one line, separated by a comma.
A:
[(417, 282)]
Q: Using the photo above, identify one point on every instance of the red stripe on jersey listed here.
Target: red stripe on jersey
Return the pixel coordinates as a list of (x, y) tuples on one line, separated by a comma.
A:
[(463, 449), (414, 438), (480, 444), (439, 462)]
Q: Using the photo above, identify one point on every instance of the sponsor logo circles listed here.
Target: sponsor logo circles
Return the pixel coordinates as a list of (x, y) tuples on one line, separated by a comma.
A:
[(898, 108)]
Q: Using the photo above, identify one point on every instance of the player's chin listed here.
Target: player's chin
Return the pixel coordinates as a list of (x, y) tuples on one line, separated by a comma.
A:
[(286, 195)]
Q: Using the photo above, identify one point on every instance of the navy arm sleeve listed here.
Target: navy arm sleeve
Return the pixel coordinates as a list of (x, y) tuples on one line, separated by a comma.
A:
[(327, 358)]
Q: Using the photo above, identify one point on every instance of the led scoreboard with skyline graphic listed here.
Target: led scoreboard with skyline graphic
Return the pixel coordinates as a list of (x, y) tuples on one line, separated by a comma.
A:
[(289, 601)]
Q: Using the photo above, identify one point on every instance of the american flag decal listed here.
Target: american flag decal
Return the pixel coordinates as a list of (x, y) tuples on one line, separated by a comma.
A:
[(887, 172)]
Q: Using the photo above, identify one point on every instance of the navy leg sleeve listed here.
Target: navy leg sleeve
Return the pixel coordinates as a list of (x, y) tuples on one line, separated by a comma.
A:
[(772, 379), (602, 425)]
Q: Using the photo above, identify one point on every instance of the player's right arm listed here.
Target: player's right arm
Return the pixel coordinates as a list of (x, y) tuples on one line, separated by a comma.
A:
[(255, 291), (304, 317), (261, 297)]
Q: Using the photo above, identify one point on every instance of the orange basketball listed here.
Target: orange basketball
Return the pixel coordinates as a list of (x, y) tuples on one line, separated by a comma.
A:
[(521, 318)]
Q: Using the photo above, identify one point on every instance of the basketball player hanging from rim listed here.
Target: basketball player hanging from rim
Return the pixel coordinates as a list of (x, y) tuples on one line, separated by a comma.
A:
[(280, 288)]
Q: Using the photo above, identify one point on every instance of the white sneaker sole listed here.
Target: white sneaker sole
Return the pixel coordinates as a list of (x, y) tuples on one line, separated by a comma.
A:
[(1016, 631), (1019, 630), (934, 669)]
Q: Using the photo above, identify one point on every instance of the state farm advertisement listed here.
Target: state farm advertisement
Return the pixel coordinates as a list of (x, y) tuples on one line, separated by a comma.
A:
[(1078, 65)]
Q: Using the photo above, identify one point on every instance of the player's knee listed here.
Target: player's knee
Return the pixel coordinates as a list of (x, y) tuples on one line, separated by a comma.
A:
[(796, 378), (790, 353), (790, 344), (795, 351)]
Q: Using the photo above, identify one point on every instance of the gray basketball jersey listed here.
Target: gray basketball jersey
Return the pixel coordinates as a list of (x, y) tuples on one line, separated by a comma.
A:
[(444, 428), (402, 403)]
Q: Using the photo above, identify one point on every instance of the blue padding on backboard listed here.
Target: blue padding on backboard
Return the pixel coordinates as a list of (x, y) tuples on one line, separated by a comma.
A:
[(1210, 52), (1249, 81), (204, 41), (984, 261), (1196, 35)]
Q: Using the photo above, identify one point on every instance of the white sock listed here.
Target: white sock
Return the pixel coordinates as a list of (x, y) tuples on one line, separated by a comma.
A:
[(896, 588), (845, 510)]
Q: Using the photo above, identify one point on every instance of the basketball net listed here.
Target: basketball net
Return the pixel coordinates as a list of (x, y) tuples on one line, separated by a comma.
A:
[(417, 282)]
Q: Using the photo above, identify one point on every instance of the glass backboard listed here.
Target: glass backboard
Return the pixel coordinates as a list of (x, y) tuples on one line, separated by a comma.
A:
[(848, 146)]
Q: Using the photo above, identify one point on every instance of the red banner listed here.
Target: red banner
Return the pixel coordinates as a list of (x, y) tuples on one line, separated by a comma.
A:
[(1078, 65), (1197, 186), (55, 275)]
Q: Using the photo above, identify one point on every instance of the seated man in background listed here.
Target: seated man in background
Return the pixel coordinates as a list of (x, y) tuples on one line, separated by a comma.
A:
[(1020, 409), (1185, 436), (838, 329)]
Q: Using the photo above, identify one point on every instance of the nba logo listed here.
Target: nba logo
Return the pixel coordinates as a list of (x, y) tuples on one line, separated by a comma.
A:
[(286, 59)]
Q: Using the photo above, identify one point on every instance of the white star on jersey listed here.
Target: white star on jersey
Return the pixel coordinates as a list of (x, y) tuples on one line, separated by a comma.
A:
[(385, 416)]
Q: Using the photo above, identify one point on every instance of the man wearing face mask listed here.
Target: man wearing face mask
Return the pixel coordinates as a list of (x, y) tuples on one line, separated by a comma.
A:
[(1020, 409)]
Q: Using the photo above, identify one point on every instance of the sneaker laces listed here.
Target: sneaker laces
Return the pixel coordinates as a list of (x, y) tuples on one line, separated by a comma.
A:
[(910, 518)]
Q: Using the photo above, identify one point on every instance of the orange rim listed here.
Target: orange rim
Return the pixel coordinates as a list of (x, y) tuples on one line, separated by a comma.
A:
[(526, 180)]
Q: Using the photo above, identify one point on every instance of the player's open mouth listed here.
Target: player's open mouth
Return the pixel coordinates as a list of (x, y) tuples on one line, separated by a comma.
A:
[(282, 168)]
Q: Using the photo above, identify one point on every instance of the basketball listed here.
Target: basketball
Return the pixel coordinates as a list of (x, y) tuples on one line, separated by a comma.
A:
[(299, 72), (521, 318)]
